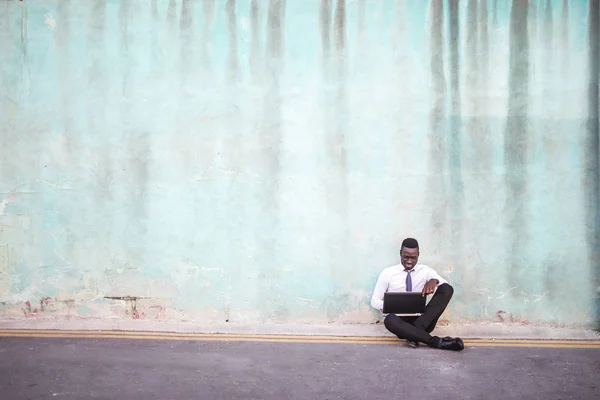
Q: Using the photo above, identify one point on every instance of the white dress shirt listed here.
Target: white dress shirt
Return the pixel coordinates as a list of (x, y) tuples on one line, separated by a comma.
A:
[(393, 279)]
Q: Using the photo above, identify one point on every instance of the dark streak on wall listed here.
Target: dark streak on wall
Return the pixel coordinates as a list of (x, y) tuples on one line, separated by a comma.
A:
[(565, 31), (171, 15), (275, 32), (338, 144), (155, 57), (334, 124), (552, 154), (548, 23), (62, 45), (547, 38), (186, 41), (125, 53), (272, 122), (339, 26), (592, 148), (25, 71), (515, 145), (186, 19), (325, 25), (360, 42), (472, 46), (255, 48), (96, 106), (473, 122), (533, 20), (484, 130), (96, 111), (154, 9), (338, 189), (208, 9), (456, 122), (61, 41), (436, 186), (494, 13), (235, 157), (135, 170), (485, 133), (233, 67), (473, 75), (271, 138), (234, 120)]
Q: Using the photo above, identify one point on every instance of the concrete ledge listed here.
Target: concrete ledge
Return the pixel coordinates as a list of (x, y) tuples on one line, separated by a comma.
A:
[(468, 331)]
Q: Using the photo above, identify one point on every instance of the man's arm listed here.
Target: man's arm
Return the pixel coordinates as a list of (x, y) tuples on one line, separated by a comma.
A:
[(433, 280), (380, 288)]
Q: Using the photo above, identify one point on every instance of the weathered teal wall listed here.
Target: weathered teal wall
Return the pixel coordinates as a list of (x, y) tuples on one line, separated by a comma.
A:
[(252, 160)]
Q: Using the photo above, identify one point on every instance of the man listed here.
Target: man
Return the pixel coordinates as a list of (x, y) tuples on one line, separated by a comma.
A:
[(413, 277)]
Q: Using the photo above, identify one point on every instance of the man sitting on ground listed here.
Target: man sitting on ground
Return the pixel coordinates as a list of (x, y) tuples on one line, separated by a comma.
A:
[(412, 277)]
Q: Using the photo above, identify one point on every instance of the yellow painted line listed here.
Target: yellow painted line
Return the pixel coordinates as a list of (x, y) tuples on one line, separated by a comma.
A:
[(198, 339), (140, 333), (536, 341), (68, 333), (575, 345), (286, 339)]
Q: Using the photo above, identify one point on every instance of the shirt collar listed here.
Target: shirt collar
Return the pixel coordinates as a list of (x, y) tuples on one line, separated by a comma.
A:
[(414, 269)]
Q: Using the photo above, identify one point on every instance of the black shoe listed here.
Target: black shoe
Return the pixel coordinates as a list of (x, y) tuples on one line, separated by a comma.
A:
[(449, 343), (414, 345)]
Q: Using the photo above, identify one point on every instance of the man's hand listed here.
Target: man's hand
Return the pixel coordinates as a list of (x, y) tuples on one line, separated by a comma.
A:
[(430, 286)]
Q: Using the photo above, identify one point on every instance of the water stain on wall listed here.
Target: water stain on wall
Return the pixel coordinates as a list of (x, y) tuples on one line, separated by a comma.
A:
[(472, 126), (208, 9), (271, 138), (187, 48), (68, 95), (98, 81), (515, 141), (272, 120), (436, 184), (233, 65), (255, 42), (361, 28), (338, 144), (455, 135), (325, 31), (482, 51), (592, 147)]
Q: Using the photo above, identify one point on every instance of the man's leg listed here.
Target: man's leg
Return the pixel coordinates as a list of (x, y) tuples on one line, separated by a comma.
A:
[(435, 308), (406, 330), (420, 329)]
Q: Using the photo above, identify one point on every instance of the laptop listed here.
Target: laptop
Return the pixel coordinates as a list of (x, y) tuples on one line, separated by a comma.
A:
[(404, 303)]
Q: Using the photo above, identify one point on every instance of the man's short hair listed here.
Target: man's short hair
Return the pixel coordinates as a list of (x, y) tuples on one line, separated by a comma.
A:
[(409, 243)]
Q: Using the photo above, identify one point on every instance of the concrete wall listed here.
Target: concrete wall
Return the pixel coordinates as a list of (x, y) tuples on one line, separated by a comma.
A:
[(254, 160)]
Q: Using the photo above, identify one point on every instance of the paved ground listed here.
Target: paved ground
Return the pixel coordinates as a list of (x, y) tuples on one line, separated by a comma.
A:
[(124, 368)]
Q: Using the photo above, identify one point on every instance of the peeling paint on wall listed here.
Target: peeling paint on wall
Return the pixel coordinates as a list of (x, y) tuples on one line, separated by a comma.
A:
[(248, 160)]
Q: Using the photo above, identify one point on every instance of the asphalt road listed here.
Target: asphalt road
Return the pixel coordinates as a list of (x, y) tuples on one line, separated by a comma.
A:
[(84, 368)]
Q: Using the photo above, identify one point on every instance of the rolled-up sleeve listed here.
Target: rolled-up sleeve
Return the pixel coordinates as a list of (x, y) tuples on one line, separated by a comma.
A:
[(380, 288)]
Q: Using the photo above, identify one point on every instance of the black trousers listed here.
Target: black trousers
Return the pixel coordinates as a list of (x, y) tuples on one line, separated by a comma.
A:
[(418, 329)]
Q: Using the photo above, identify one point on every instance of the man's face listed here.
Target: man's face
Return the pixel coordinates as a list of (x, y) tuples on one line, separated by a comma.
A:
[(409, 257)]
